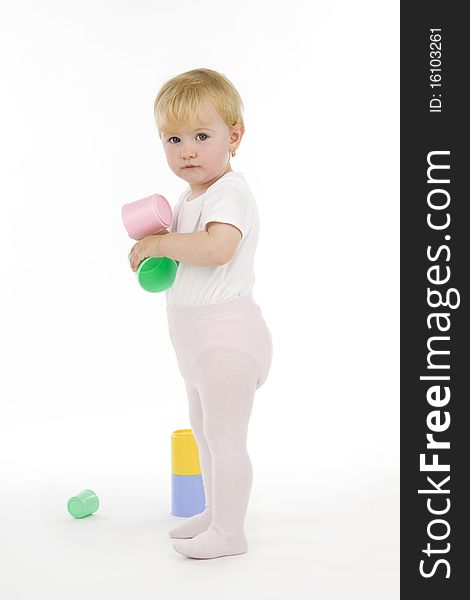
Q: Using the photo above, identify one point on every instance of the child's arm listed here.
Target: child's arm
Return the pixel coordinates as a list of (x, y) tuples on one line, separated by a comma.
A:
[(211, 248), (197, 248)]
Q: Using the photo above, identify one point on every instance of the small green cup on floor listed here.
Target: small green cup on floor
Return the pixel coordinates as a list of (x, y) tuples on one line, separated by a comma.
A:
[(83, 504)]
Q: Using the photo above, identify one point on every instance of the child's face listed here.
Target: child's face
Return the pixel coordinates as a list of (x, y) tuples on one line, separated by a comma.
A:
[(207, 147)]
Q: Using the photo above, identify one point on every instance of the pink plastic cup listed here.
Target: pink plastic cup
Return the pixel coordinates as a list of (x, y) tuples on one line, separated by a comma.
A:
[(147, 216)]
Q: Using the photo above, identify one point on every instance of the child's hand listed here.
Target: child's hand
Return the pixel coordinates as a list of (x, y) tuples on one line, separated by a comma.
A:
[(144, 248)]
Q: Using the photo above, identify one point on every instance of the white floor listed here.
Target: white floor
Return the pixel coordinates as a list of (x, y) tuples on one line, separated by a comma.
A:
[(340, 542)]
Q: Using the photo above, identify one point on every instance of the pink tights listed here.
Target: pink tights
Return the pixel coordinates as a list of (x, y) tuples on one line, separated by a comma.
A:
[(224, 353)]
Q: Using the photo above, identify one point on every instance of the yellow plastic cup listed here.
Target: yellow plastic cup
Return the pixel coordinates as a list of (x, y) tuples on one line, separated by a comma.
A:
[(184, 453)]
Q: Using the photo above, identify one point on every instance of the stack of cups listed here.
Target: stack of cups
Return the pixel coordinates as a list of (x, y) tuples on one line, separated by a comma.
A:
[(187, 488)]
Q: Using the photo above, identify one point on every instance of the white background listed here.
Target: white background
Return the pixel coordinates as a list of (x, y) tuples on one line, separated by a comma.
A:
[(90, 388)]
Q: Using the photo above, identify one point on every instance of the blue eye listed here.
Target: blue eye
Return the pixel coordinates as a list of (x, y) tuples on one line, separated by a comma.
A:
[(175, 137)]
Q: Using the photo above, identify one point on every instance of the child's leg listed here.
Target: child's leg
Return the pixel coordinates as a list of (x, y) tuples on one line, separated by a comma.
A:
[(226, 380), (198, 523)]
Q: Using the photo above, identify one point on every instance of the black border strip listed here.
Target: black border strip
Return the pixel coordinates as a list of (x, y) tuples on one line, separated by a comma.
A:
[(434, 263)]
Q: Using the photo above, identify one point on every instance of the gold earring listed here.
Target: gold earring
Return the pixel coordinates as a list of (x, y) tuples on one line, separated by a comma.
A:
[(233, 152)]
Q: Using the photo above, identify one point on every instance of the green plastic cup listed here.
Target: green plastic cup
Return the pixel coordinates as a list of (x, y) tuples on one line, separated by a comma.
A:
[(83, 504), (156, 274)]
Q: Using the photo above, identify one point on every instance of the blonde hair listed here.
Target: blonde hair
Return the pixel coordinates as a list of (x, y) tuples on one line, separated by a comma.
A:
[(179, 99)]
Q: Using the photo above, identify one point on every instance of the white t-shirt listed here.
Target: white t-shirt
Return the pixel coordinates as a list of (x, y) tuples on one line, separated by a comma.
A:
[(227, 200)]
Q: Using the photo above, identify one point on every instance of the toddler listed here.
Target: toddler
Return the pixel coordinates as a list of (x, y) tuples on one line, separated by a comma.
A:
[(222, 343)]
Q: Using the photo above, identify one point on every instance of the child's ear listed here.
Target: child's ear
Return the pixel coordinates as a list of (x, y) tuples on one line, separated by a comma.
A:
[(237, 134)]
